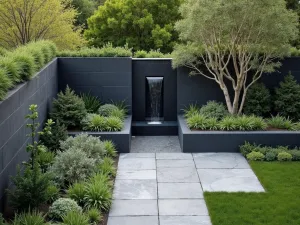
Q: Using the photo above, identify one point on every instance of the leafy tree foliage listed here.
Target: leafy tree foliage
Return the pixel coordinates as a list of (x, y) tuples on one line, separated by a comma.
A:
[(85, 9), (227, 40), (143, 24), (31, 20), (295, 6)]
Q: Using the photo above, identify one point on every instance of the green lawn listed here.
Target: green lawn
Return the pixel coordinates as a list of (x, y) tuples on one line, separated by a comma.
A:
[(280, 205)]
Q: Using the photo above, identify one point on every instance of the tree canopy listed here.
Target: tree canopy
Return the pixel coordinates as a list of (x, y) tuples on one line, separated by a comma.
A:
[(233, 42), (24, 21), (85, 9), (143, 24)]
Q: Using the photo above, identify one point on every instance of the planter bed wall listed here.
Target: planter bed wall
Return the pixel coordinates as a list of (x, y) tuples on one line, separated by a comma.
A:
[(107, 78), (229, 141), (13, 140), (121, 139)]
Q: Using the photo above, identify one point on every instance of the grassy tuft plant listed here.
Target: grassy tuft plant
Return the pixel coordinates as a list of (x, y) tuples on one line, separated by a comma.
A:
[(280, 122), (228, 123), (26, 63), (107, 167), (95, 122), (110, 148), (191, 110), (5, 83), (29, 218), (75, 218), (77, 192), (52, 193), (94, 215), (107, 109), (12, 69), (92, 103)]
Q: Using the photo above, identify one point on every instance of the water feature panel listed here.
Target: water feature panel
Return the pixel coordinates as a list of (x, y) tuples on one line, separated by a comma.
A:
[(154, 99)]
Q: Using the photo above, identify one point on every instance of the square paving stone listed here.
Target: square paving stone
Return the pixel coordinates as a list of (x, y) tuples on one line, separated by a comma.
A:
[(133, 220), (130, 164), (179, 175), (137, 155), (174, 156), (173, 163), (179, 190), (184, 220), (135, 189), (229, 180), (220, 161), (136, 175), (182, 207), (134, 208)]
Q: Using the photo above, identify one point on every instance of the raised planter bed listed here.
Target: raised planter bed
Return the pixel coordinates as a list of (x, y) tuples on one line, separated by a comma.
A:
[(122, 139), (229, 141)]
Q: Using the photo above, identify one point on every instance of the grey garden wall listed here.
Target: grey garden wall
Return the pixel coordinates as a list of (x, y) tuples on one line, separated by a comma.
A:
[(107, 78), (198, 89), (40, 90)]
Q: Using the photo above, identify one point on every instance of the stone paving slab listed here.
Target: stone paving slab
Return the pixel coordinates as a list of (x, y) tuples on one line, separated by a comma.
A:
[(182, 207), (177, 175), (229, 180), (136, 175), (184, 220), (133, 220), (174, 156), (175, 163), (220, 161), (134, 208), (137, 155), (179, 190), (131, 164), (135, 189)]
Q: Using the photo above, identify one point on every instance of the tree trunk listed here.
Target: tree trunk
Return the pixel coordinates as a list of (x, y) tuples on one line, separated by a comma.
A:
[(227, 98)]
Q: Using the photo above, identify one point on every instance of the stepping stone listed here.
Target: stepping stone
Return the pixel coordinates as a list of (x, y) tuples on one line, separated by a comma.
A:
[(137, 155), (174, 156), (136, 175), (229, 180), (179, 175), (175, 163), (134, 208), (184, 220), (135, 189), (179, 190), (131, 164), (133, 220), (182, 207), (220, 161)]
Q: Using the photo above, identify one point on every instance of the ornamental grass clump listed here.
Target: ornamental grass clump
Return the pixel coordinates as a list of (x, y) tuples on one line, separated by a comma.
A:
[(107, 167), (26, 64), (12, 69), (77, 192), (95, 122), (191, 110), (280, 122), (110, 149), (92, 103), (29, 218), (75, 218), (107, 109), (5, 83), (197, 122)]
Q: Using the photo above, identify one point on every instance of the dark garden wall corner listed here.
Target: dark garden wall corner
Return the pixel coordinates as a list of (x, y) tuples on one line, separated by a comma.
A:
[(121, 139), (13, 140), (229, 141)]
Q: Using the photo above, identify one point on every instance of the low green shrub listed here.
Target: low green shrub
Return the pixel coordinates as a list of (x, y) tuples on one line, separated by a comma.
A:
[(106, 51), (94, 215), (284, 156), (258, 100), (92, 103), (280, 122), (191, 110), (52, 193), (197, 122), (77, 192), (107, 109), (214, 109), (36, 52), (75, 218), (45, 159), (255, 156), (62, 206), (30, 218), (101, 177), (68, 108), (122, 105), (150, 54), (271, 156), (107, 167), (228, 123), (287, 98), (3, 51), (98, 195), (71, 166), (296, 126), (91, 146), (295, 154), (26, 63), (12, 68), (5, 83), (114, 124), (110, 149), (246, 148), (118, 113), (95, 122), (2, 221)]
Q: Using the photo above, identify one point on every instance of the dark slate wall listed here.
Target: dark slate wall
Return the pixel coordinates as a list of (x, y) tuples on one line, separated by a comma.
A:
[(198, 89), (107, 78), (40, 90), (142, 68)]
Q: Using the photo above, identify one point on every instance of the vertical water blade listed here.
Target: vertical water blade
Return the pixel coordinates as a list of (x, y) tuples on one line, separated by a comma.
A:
[(155, 87)]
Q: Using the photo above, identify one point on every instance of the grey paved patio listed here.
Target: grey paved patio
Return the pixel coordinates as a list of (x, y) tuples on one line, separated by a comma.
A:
[(167, 188)]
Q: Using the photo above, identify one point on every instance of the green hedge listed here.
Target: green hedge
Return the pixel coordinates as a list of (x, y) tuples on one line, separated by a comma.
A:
[(22, 63)]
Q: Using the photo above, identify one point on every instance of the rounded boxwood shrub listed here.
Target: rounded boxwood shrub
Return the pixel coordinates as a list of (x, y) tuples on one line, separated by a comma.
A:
[(271, 156), (214, 109), (62, 206), (5, 83), (68, 108), (255, 156), (12, 69), (287, 98), (284, 156), (295, 154), (258, 100), (106, 110)]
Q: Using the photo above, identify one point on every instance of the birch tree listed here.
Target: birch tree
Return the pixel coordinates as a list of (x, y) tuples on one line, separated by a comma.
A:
[(234, 42)]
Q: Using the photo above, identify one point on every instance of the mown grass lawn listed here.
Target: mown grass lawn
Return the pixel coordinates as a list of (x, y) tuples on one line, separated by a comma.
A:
[(280, 205)]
